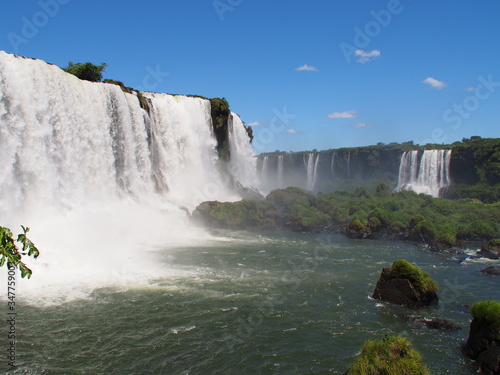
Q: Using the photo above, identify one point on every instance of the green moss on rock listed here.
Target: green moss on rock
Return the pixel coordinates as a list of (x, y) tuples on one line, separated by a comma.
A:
[(391, 356), (419, 278), (487, 311)]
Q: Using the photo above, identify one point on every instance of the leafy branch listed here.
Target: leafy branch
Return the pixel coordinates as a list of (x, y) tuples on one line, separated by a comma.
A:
[(11, 254)]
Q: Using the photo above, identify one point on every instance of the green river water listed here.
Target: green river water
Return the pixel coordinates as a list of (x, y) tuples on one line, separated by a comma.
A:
[(250, 303)]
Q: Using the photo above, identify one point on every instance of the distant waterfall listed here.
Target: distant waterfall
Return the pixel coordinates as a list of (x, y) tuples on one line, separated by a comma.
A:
[(264, 171), (349, 165), (427, 174), (280, 171), (332, 165), (312, 168)]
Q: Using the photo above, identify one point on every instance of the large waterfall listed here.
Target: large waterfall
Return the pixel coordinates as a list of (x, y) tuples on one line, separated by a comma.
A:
[(425, 172), (100, 179)]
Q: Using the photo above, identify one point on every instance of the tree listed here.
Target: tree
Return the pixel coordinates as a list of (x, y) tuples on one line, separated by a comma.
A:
[(86, 71), (11, 254)]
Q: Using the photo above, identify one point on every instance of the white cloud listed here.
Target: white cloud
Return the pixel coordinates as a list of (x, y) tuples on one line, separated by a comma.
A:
[(365, 56), (255, 123), (472, 88), (439, 85), (346, 114), (358, 125), (292, 131), (308, 68)]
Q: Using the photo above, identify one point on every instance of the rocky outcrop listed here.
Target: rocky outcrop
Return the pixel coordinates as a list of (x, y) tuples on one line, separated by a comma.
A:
[(433, 323), (486, 253), (483, 346), (405, 284), (492, 270)]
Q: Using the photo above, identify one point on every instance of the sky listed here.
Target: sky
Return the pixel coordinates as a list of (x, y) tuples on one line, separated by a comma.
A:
[(305, 74)]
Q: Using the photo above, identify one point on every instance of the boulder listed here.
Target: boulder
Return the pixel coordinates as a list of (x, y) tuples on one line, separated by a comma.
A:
[(399, 286), (487, 253), (493, 270), (483, 345), (434, 323)]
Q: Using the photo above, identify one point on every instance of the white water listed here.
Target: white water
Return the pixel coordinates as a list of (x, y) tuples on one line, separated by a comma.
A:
[(332, 165), (280, 171), (243, 163), (312, 169), (100, 181), (427, 175)]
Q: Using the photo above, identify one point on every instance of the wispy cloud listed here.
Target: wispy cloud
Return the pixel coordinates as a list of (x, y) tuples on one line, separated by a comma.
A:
[(308, 68), (439, 85), (346, 114), (358, 125), (255, 123), (472, 88), (365, 56), (292, 131)]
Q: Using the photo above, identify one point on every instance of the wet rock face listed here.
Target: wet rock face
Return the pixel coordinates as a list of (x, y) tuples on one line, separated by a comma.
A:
[(393, 288), (483, 345)]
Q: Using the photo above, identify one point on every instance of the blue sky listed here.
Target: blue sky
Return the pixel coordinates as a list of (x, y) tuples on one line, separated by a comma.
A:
[(307, 75)]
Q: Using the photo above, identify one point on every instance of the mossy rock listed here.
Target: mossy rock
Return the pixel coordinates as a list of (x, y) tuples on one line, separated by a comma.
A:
[(391, 356), (406, 285), (487, 311), (419, 278)]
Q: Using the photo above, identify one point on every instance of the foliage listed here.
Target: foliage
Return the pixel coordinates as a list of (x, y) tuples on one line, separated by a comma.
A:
[(402, 215), (488, 311), (11, 254), (391, 356), (219, 111), (419, 278), (86, 71)]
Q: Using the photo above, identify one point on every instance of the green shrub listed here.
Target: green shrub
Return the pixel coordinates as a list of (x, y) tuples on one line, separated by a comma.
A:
[(374, 223), (488, 311), (419, 278), (306, 218), (86, 71), (391, 356), (426, 228), (357, 225)]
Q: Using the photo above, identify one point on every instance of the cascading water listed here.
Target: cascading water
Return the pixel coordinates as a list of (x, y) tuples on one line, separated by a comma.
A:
[(349, 165), (243, 163), (332, 166), (312, 169), (427, 175), (97, 178), (280, 171)]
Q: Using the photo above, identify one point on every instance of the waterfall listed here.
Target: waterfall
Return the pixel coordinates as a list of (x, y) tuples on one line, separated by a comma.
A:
[(264, 172), (332, 165), (427, 174), (100, 180), (312, 169), (349, 165), (243, 163), (280, 171)]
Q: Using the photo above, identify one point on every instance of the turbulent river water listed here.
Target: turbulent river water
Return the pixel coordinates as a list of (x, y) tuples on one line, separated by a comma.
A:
[(247, 303)]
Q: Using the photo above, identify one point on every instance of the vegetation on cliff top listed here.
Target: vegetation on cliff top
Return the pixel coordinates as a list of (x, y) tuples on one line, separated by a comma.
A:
[(391, 356), (86, 71), (421, 280), (488, 311)]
